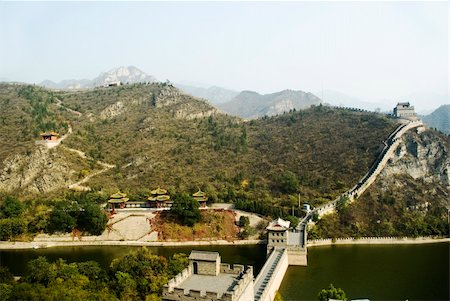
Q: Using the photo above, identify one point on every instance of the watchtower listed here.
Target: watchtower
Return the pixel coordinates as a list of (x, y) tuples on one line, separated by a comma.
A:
[(277, 234)]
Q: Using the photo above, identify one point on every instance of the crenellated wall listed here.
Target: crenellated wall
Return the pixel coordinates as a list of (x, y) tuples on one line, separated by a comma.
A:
[(241, 291)]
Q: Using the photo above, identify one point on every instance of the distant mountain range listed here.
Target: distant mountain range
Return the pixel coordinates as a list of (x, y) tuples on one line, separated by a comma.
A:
[(336, 98), (439, 119), (128, 74), (250, 104), (214, 94)]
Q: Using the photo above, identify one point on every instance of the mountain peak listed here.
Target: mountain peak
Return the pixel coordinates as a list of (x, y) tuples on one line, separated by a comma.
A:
[(124, 74)]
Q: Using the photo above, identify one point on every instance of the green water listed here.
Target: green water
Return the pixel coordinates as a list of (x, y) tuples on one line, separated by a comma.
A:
[(384, 272), (397, 272)]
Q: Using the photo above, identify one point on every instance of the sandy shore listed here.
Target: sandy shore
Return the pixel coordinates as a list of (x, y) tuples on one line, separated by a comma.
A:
[(375, 241)]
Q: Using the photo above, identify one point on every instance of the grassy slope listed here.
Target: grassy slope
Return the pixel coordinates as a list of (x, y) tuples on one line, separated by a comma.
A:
[(327, 149)]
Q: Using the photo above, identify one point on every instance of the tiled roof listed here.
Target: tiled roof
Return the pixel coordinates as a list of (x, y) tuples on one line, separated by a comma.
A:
[(204, 255)]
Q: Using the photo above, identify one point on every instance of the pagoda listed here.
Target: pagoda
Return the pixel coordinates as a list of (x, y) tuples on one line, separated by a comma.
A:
[(160, 197), (117, 200), (201, 198)]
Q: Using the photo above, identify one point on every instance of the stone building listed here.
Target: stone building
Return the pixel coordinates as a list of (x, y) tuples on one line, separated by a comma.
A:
[(277, 234), (280, 236), (405, 111), (206, 278)]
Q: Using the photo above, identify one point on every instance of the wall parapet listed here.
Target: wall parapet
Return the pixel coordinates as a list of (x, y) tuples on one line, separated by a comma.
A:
[(373, 240), (172, 292)]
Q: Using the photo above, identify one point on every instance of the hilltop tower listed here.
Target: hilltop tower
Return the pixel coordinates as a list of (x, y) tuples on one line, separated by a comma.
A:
[(404, 110)]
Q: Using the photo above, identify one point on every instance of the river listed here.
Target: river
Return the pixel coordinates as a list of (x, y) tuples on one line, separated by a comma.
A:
[(382, 272)]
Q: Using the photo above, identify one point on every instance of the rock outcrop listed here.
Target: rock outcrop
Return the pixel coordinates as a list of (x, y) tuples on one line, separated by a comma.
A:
[(41, 171), (421, 156)]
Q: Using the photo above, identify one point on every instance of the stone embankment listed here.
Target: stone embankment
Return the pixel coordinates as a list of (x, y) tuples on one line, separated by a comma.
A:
[(376, 241), (4, 245)]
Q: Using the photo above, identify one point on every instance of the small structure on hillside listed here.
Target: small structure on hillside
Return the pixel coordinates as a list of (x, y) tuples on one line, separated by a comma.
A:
[(113, 84), (49, 139), (201, 198), (117, 200), (404, 110), (49, 136), (160, 198), (206, 278)]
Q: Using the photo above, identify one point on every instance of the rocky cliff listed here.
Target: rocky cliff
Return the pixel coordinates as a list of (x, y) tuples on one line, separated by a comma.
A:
[(421, 160), (42, 171)]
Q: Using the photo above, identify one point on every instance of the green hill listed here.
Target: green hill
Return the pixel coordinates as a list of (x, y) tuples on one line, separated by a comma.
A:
[(439, 119), (157, 136)]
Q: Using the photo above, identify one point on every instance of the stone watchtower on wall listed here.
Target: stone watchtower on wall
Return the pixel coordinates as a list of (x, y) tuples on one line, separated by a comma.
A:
[(277, 234), (405, 110), (206, 278)]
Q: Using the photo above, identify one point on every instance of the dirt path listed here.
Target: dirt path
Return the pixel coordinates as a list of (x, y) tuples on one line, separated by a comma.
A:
[(106, 166)]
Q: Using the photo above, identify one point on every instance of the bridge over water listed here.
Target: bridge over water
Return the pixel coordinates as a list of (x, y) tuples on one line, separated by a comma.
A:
[(289, 247)]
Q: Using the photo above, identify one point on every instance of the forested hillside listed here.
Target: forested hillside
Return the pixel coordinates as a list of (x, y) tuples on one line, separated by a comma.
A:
[(157, 136)]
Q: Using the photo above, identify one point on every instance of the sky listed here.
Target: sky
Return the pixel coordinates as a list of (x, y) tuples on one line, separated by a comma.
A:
[(376, 51)]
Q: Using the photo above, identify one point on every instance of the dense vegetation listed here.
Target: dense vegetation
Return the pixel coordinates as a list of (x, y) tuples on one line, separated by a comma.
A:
[(262, 165), (22, 220), (407, 210), (156, 137), (139, 275)]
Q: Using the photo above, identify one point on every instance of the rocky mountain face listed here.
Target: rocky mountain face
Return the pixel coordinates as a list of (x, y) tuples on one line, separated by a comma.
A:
[(439, 119), (125, 75), (249, 104), (41, 171), (422, 160), (215, 95)]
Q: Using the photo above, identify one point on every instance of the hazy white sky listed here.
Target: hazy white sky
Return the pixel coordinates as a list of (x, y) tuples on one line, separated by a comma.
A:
[(372, 50)]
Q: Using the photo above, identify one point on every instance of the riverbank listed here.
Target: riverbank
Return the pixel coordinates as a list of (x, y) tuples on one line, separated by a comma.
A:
[(6, 245), (50, 244), (375, 241)]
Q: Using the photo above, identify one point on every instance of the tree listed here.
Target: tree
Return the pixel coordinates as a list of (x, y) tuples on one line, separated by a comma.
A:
[(141, 268), (293, 219), (331, 293), (243, 221), (92, 219), (287, 182), (177, 263), (63, 217), (11, 207), (186, 209)]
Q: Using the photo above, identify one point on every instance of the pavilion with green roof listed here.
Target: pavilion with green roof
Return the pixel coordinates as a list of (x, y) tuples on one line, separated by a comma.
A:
[(118, 200), (160, 198), (201, 198)]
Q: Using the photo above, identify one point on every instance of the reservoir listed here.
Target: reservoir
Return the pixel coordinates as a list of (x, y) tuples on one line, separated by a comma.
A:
[(375, 272)]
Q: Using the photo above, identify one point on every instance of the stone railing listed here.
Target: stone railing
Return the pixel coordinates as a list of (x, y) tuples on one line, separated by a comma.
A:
[(175, 281), (226, 268), (371, 240)]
